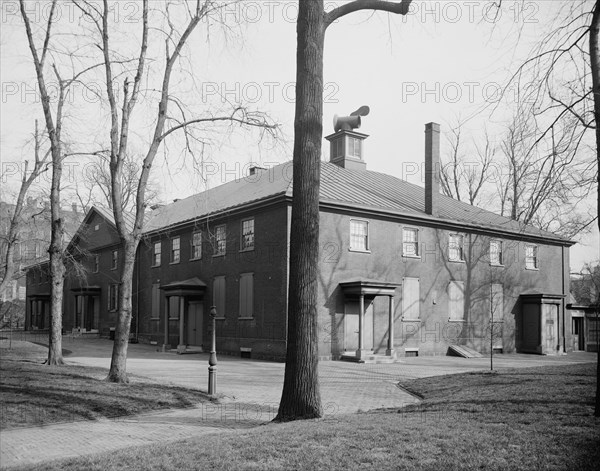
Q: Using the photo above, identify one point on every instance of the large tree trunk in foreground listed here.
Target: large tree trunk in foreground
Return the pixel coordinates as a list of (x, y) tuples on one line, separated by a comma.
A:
[(595, 66), (300, 397), (118, 364)]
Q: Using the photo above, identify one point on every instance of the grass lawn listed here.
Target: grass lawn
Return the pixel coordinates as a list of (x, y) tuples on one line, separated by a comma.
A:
[(36, 394), (523, 419)]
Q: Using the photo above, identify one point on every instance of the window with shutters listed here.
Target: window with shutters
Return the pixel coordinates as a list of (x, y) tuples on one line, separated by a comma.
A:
[(246, 295), (157, 253), (456, 304), (410, 299), (219, 295)]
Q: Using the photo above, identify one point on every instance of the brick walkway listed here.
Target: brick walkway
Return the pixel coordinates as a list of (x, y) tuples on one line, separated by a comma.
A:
[(250, 396)]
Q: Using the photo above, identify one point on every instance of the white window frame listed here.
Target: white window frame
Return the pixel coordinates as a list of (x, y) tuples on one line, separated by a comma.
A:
[(246, 243), (354, 147), (113, 297), (532, 262), (220, 240), (456, 247), (175, 251), (500, 253), (156, 261), (114, 263), (406, 244), (196, 248), (364, 247), (96, 267)]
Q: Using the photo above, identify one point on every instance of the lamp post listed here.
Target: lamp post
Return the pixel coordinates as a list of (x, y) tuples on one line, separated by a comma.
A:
[(212, 360)]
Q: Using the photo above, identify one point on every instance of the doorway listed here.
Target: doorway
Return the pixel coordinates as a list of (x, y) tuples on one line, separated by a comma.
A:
[(194, 323), (351, 332), (577, 334)]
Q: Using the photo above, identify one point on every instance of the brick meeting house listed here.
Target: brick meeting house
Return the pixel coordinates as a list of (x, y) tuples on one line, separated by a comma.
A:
[(403, 270)]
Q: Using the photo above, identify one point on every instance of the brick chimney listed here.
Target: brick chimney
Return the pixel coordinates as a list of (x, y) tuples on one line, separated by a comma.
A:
[(432, 168)]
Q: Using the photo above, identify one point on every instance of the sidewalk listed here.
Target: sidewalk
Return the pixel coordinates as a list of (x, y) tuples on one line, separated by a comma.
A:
[(250, 391)]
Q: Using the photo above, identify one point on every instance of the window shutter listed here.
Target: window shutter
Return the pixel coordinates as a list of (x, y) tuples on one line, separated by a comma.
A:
[(456, 300), (410, 298)]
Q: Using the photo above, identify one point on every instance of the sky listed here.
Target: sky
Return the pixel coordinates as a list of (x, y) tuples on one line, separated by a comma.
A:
[(445, 60)]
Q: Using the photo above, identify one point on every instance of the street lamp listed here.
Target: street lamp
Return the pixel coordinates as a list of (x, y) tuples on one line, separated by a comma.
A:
[(212, 360)]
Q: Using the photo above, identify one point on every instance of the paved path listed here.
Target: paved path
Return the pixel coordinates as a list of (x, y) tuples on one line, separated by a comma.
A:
[(250, 391)]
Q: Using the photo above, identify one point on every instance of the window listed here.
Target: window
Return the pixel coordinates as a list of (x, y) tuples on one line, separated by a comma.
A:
[(155, 301), (96, 263), (410, 299), (496, 252), (175, 249), (455, 247), (410, 242), (497, 302), (196, 245), (456, 295), (114, 260), (246, 294), (157, 254), (247, 242), (354, 147), (359, 235), (531, 257), (113, 297), (219, 295), (220, 240), (337, 148)]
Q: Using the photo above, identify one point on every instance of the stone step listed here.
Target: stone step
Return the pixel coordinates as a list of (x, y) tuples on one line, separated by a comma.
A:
[(370, 358)]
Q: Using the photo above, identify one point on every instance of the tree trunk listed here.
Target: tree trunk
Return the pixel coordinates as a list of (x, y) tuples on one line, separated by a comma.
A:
[(118, 364), (595, 66), (57, 267), (301, 397)]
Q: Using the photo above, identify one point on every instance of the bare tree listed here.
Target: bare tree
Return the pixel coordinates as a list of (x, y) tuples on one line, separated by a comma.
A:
[(542, 180), (53, 121), (165, 124), (11, 239), (464, 175), (95, 186), (300, 398)]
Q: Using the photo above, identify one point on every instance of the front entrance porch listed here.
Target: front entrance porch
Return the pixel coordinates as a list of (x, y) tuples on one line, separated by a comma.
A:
[(359, 322), (185, 314), (87, 310)]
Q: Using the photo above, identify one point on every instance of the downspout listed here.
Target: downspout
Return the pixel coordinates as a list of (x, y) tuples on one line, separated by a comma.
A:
[(564, 302), (137, 297)]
